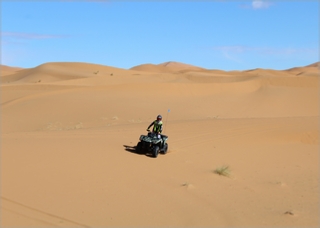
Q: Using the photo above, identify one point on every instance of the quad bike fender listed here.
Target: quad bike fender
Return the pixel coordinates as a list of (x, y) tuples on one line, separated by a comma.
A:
[(141, 137), (145, 138)]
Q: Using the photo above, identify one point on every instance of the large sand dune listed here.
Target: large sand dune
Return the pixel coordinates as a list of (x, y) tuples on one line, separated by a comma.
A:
[(69, 131)]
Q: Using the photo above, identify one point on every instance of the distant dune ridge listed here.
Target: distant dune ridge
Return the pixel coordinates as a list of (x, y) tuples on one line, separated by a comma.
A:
[(317, 64), (170, 66), (51, 72), (69, 131), (4, 70)]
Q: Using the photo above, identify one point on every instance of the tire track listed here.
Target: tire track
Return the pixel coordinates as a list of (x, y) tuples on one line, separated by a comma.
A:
[(231, 132), (37, 215), (225, 135)]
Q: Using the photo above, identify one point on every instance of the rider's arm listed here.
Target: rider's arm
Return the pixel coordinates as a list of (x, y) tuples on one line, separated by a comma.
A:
[(150, 125)]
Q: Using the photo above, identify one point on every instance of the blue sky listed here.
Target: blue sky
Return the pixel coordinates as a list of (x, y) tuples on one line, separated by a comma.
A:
[(226, 35)]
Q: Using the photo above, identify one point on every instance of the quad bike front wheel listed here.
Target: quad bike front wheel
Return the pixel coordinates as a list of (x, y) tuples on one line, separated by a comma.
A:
[(155, 151), (139, 147)]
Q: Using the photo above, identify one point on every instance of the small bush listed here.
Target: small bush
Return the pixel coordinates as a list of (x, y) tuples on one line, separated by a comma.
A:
[(223, 171)]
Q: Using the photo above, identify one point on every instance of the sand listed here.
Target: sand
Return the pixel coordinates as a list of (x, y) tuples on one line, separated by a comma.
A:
[(69, 131)]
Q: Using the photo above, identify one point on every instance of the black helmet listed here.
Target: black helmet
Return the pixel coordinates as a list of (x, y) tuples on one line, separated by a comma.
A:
[(159, 117)]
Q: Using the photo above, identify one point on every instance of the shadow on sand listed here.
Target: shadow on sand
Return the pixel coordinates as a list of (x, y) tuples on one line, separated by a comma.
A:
[(133, 149)]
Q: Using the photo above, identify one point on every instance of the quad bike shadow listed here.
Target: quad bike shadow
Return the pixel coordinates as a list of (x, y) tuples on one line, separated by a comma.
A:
[(131, 149)]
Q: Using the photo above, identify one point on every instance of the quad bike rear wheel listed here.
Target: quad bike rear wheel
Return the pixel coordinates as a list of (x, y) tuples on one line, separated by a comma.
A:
[(165, 148)]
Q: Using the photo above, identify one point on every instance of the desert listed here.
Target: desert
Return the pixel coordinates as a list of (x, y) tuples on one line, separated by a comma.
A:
[(69, 132)]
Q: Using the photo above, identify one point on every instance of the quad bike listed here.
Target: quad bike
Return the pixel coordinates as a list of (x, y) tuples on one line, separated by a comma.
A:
[(153, 144)]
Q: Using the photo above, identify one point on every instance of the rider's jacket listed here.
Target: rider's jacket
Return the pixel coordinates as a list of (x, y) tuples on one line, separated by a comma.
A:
[(157, 126)]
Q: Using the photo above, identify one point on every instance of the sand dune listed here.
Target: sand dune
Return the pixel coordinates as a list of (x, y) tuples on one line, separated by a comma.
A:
[(6, 70), (52, 72), (167, 67), (176, 66), (69, 132), (310, 70)]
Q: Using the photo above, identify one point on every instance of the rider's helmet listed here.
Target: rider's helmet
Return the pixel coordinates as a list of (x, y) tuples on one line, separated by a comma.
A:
[(159, 117)]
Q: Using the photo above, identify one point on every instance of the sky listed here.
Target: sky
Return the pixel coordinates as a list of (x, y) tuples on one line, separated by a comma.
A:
[(225, 35)]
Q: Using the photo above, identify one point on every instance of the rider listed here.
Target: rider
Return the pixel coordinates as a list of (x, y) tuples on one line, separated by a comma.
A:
[(157, 126)]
